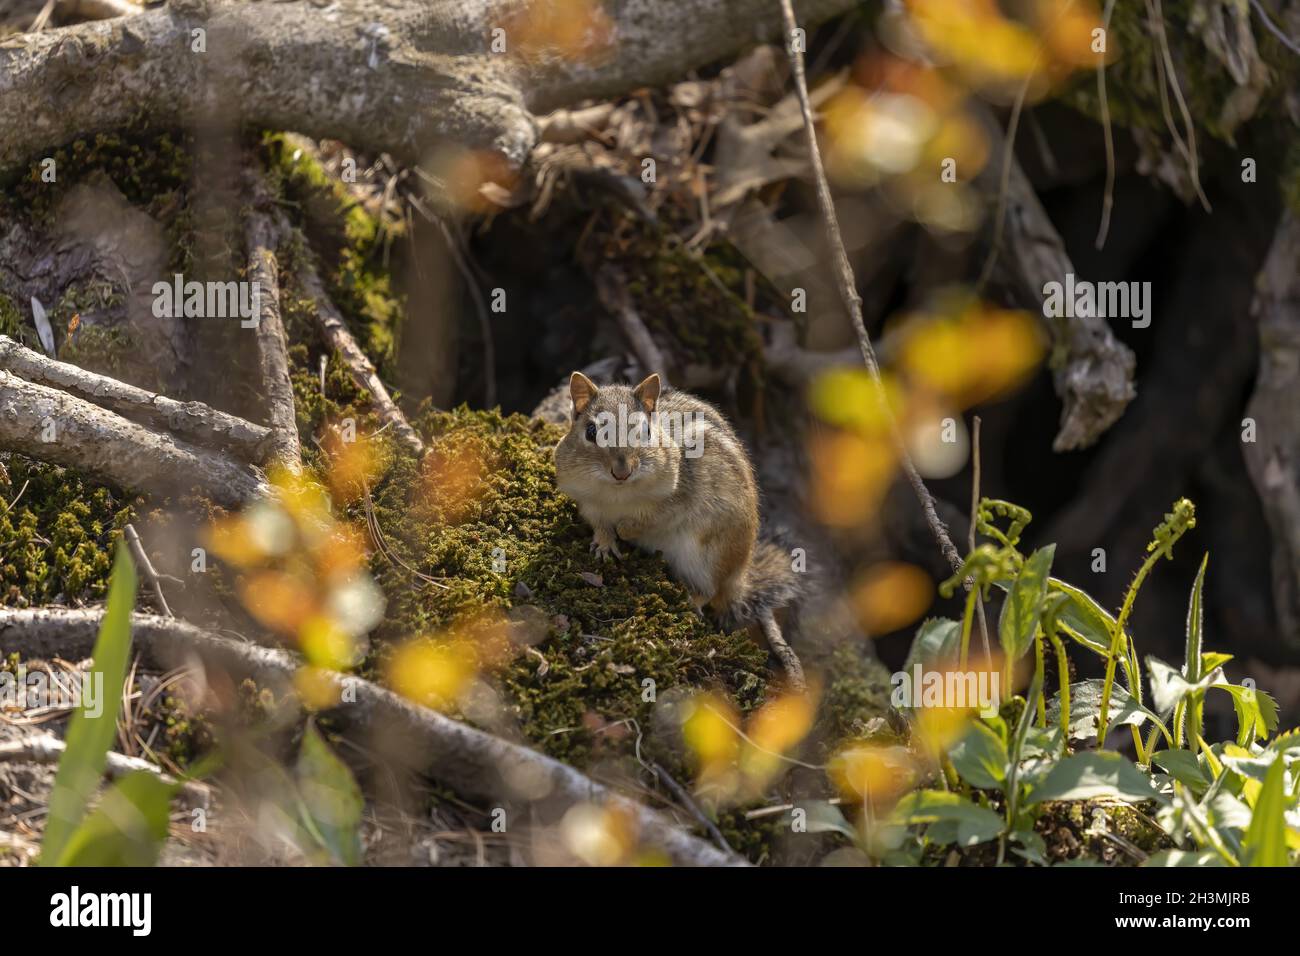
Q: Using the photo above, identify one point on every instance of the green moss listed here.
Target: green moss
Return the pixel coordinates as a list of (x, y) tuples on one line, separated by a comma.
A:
[(1132, 84), (100, 349), (691, 300), (151, 170), (857, 691), (11, 320), (56, 541), (348, 242)]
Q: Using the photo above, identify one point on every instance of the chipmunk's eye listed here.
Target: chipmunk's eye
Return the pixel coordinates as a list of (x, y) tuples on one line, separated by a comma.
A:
[(591, 431)]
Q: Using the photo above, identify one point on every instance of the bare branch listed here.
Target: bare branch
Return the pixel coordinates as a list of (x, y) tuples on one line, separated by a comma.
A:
[(44, 423), (473, 762), (48, 749), (192, 421), (1094, 380), (261, 238), (334, 330)]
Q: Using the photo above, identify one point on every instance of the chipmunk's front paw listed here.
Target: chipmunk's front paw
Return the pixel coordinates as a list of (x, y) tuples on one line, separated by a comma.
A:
[(604, 544), (628, 530)]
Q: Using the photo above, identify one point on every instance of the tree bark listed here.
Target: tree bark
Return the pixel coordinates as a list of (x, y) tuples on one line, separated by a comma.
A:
[(53, 426), (1273, 458), (469, 760), (399, 78), (191, 421)]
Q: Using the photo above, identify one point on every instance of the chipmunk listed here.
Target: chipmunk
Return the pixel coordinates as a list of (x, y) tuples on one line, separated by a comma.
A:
[(665, 471)]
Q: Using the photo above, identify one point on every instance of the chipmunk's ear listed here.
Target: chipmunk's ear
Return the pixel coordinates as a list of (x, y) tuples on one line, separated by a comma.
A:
[(647, 393), (582, 390)]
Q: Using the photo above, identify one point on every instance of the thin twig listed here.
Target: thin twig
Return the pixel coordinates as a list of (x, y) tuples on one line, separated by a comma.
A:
[(262, 238), (1274, 29), (1158, 24), (142, 559), (1004, 184), (613, 294), (974, 511), (1108, 198), (848, 291), (682, 794)]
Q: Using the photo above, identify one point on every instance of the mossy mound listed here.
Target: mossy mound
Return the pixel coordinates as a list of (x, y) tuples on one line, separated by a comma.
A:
[(57, 534), (482, 515)]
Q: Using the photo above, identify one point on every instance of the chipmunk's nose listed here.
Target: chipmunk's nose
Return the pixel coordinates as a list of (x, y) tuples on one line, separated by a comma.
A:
[(621, 469)]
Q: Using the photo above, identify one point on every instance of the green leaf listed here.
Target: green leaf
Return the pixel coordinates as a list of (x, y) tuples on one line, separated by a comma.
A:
[(1087, 776), (1184, 858), (128, 828), (825, 817), (1265, 843), (981, 758), (1212, 659), (1085, 707), (969, 823), (1183, 766), (90, 737), (1023, 608), (331, 799), (1195, 626), (937, 639), (1169, 687), (1247, 764), (1083, 618), (1256, 711)]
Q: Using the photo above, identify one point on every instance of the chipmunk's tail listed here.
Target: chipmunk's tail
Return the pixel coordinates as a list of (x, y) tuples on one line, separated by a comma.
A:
[(771, 584)]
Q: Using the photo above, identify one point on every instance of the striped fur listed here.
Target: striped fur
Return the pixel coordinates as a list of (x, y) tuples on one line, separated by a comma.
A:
[(700, 512)]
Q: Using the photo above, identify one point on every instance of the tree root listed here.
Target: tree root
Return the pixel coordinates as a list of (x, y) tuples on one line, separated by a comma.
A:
[(1095, 378), (261, 238), (48, 749), (191, 421), (333, 329), (472, 762), (402, 78), (50, 425)]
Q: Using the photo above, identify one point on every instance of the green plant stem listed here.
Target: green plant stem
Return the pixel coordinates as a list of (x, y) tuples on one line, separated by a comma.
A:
[(1108, 685), (1063, 674), (966, 620), (1039, 676)]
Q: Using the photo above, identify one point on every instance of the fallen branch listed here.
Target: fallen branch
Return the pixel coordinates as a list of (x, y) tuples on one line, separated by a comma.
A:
[(614, 296), (146, 567), (50, 425), (334, 330), (472, 762), (192, 421), (261, 239), (1094, 379), (48, 749)]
